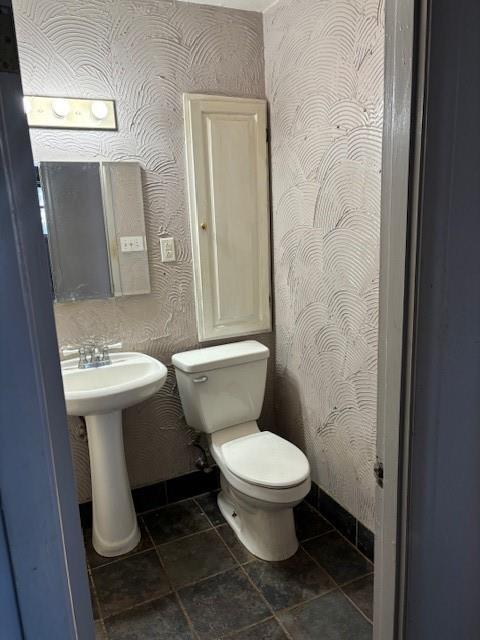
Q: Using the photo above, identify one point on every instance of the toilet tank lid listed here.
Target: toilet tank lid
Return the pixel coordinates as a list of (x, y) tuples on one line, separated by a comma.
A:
[(225, 355)]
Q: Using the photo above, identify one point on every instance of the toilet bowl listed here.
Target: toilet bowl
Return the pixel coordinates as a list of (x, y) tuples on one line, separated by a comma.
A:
[(263, 476)]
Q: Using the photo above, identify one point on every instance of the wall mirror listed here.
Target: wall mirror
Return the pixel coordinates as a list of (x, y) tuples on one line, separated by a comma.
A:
[(93, 222)]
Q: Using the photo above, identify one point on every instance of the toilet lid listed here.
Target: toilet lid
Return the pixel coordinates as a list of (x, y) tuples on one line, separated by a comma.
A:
[(266, 460)]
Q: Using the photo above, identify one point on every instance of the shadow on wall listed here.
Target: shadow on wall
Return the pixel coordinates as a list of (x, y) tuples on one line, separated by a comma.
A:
[(291, 424)]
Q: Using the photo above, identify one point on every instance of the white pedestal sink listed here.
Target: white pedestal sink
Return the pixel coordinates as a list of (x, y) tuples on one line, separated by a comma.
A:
[(100, 394)]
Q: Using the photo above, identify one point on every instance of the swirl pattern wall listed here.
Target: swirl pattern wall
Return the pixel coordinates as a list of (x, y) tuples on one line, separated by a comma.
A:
[(324, 82), (323, 73), (144, 54)]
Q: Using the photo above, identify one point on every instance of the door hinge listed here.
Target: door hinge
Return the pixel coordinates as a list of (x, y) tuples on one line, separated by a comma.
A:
[(8, 42), (268, 135), (378, 472)]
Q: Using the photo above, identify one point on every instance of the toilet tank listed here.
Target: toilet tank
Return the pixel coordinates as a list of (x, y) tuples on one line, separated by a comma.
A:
[(222, 386)]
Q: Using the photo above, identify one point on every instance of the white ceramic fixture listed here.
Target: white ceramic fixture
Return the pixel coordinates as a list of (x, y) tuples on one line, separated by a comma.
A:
[(100, 394), (263, 476)]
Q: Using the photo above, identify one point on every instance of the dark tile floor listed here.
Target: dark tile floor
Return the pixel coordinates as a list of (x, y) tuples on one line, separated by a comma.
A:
[(190, 579)]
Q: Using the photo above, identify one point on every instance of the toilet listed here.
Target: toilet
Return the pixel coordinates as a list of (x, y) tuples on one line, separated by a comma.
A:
[(263, 476)]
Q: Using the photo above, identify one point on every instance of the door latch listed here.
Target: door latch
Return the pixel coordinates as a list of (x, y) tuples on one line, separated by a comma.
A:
[(378, 471)]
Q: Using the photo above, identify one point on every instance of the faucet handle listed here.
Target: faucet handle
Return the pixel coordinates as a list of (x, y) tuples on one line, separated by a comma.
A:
[(69, 350), (113, 347), (106, 348)]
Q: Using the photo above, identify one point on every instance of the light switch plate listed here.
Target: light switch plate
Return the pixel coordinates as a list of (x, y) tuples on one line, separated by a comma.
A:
[(167, 249), (132, 243)]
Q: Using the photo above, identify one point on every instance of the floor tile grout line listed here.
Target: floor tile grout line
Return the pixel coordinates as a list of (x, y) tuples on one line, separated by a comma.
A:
[(218, 573), (122, 558), (96, 598), (339, 584), (177, 597), (206, 514), (160, 560), (182, 538), (269, 607), (318, 564), (349, 582), (335, 589), (352, 602), (138, 605), (283, 628), (320, 535), (147, 531), (104, 628), (201, 580), (187, 617), (232, 634), (307, 601), (334, 528), (219, 535)]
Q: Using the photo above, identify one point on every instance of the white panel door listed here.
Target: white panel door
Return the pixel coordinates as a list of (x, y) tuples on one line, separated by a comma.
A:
[(229, 214)]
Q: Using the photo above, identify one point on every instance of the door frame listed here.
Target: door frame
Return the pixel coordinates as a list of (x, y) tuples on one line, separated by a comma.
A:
[(405, 57), (37, 487), (36, 477)]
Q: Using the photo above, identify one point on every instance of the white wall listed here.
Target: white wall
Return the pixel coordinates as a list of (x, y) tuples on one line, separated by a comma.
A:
[(324, 82)]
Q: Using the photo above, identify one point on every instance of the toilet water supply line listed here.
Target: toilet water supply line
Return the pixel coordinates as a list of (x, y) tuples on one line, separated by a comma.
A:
[(202, 462)]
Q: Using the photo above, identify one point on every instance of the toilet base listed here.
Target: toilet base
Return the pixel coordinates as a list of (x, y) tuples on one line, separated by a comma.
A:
[(266, 530)]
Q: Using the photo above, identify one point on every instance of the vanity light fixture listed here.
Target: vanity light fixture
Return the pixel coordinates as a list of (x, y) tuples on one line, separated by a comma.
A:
[(70, 113), (99, 109), (61, 107), (27, 104)]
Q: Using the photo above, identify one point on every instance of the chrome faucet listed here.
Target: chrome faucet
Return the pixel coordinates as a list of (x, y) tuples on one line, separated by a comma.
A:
[(91, 355)]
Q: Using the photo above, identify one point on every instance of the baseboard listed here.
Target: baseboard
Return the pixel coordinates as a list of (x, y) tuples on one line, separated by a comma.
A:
[(158, 495), (343, 520)]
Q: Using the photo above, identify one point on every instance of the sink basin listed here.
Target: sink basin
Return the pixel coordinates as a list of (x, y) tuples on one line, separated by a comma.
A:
[(100, 394), (131, 378)]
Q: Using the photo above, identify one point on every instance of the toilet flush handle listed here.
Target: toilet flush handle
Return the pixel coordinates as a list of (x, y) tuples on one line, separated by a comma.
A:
[(199, 380)]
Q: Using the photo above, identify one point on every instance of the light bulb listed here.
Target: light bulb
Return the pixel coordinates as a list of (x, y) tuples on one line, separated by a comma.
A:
[(99, 109), (60, 107), (27, 104)]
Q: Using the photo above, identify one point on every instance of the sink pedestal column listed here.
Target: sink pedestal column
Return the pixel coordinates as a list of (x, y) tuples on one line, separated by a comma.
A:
[(115, 527)]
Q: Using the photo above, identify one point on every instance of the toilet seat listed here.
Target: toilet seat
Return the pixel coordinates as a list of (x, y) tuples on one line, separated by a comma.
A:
[(265, 460)]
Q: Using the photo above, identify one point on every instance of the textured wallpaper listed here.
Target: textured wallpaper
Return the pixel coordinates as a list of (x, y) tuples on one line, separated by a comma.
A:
[(144, 54), (324, 82)]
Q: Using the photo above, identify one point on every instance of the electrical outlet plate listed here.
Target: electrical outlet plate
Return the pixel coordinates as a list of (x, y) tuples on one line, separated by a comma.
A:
[(167, 249), (132, 243)]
